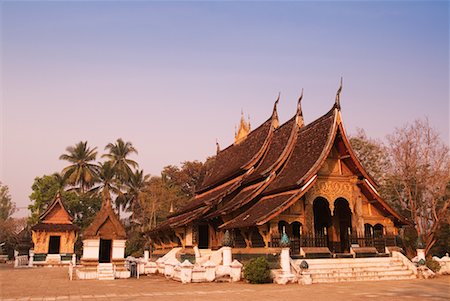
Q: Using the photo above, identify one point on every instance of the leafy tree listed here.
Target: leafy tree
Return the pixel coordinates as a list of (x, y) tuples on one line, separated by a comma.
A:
[(9, 226), (420, 173), (185, 180), (7, 206), (82, 173), (44, 190), (82, 207), (372, 154)]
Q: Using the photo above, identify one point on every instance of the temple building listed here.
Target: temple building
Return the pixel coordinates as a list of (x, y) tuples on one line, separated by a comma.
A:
[(54, 235), (300, 178)]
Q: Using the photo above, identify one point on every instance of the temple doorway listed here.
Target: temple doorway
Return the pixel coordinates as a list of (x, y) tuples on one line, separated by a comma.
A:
[(322, 216), (54, 244), (104, 253), (343, 216), (203, 236)]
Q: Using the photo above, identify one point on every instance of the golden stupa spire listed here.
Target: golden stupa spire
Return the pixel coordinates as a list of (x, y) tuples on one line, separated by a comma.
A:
[(244, 129)]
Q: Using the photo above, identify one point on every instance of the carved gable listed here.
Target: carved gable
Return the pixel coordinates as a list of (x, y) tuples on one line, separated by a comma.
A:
[(57, 215)]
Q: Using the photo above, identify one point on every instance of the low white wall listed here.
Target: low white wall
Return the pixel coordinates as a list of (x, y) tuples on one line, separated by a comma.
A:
[(118, 249), (91, 248)]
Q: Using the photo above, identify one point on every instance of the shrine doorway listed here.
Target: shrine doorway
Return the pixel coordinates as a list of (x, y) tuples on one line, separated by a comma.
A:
[(54, 244), (343, 216), (104, 252)]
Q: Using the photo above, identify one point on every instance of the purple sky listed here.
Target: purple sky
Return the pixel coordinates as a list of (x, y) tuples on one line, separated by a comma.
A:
[(172, 77)]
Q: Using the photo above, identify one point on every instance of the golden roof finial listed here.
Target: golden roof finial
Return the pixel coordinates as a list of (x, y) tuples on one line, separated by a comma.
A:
[(244, 129)]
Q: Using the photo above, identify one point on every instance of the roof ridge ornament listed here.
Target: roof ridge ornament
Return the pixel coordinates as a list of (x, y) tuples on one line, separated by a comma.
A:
[(275, 119), (338, 97), (217, 146), (299, 114)]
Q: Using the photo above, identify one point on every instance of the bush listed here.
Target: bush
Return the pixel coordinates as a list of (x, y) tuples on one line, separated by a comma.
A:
[(433, 265), (257, 271)]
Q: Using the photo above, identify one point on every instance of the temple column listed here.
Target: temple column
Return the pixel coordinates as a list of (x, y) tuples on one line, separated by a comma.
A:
[(309, 216), (265, 234), (247, 235)]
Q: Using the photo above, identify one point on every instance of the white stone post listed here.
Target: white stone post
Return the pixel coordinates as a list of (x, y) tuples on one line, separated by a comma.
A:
[(74, 259), (285, 261), (16, 258), (30, 261), (210, 273), (169, 267), (146, 255), (226, 256), (118, 248), (236, 270), (186, 271), (161, 265)]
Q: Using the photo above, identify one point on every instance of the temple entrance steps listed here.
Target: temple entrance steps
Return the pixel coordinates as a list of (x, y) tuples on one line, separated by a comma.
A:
[(202, 255), (105, 271), (358, 269)]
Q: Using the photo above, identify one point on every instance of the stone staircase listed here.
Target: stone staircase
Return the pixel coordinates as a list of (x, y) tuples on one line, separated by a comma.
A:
[(105, 271), (203, 256), (359, 269)]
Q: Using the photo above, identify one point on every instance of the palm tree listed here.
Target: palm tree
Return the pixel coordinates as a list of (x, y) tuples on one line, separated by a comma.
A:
[(107, 180), (136, 188), (118, 156), (81, 172)]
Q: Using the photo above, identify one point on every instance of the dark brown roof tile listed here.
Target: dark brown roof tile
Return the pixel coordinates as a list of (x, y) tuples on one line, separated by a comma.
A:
[(232, 160), (311, 143)]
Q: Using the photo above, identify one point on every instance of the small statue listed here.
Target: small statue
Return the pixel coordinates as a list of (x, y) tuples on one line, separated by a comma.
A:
[(284, 241)]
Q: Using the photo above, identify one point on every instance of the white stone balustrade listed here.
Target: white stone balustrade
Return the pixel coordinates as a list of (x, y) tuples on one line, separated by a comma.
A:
[(186, 271), (210, 271), (236, 271)]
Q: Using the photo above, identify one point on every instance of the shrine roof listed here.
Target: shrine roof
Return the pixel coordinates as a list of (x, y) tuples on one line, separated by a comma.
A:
[(106, 223), (56, 212)]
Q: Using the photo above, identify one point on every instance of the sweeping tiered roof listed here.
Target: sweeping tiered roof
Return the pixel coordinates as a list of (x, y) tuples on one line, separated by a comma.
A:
[(55, 218), (106, 224), (271, 169)]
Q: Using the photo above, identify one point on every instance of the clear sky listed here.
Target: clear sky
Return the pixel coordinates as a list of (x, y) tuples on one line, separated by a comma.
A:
[(171, 77)]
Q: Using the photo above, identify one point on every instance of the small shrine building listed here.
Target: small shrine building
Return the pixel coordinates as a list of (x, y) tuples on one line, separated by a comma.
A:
[(304, 178), (54, 235), (104, 240)]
